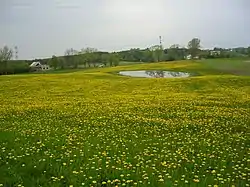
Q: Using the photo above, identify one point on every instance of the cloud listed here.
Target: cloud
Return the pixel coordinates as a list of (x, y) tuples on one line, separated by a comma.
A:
[(43, 28)]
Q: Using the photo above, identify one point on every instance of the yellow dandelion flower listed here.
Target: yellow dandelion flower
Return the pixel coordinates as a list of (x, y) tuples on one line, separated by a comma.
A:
[(196, 180), (161, 180)]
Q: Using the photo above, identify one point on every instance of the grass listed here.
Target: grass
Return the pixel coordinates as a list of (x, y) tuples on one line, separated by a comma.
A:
[(234, 66), (96, 128)]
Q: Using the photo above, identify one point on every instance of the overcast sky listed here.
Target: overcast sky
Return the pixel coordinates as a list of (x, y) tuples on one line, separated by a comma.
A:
[(42, 28)]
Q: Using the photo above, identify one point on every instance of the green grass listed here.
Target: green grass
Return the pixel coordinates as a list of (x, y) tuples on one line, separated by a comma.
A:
[(96, 128), (234, 66)]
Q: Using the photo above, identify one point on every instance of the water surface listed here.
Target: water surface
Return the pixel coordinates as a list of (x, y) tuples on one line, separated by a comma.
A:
[(155, 74)]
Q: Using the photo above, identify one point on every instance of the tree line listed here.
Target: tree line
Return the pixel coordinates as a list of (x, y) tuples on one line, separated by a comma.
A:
[(85, 58), (177, 52), (91, 57), (9, 66)]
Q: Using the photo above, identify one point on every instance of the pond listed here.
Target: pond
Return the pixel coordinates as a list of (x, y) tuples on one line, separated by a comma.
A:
[(155, 74)]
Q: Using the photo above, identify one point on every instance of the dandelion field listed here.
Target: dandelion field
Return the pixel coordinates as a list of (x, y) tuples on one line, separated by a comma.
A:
[(96, 128)]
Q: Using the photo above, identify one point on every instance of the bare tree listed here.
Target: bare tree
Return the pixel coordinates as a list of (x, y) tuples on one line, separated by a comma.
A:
[(88, 50), (6, 54)]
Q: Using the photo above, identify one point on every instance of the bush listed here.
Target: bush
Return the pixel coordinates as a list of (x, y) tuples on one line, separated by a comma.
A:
[(14, 67)]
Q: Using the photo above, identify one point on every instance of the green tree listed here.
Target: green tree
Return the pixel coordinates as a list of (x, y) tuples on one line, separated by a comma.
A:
[(135, 54), (175, 52), (138, 55), (148, 56), (115, 59), (53, 62), (83, 60), (67, 57), (128, 55), (157, 52), (90, 55), (76, 61), (105, 59), (89, 59), (205, 54), (241, 50), (61, 63), (17, 66), (70, 58), (194, 47)]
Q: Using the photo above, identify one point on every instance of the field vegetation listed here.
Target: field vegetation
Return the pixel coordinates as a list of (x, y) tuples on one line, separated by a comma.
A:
[(97, 128)]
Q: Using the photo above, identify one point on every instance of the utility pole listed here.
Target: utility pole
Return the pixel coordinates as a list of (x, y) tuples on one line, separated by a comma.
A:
[(160, 41), (16, 52), (160, 50)]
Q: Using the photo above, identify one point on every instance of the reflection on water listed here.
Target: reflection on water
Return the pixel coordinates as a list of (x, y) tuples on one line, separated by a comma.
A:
[(155, 74)]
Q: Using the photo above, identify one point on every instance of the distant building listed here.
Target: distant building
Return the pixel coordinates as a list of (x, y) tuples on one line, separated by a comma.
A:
[(101, 65), (37, 66), (215, 53), (189, 57), (45, 67)]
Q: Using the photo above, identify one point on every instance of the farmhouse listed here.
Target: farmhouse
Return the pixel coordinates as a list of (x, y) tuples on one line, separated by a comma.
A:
[(37, 66), (189, 57), (215, 53)]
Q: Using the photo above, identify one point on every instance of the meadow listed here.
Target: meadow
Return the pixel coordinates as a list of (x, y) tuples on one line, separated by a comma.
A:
[(96, 128)]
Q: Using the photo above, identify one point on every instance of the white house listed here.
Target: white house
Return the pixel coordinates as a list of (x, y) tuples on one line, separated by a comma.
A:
[(215, 53), (37, 66), (101, 65), (45, 67), (188, 57)]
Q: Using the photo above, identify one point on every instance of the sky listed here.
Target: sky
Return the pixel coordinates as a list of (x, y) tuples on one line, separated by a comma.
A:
[(42, 28)]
